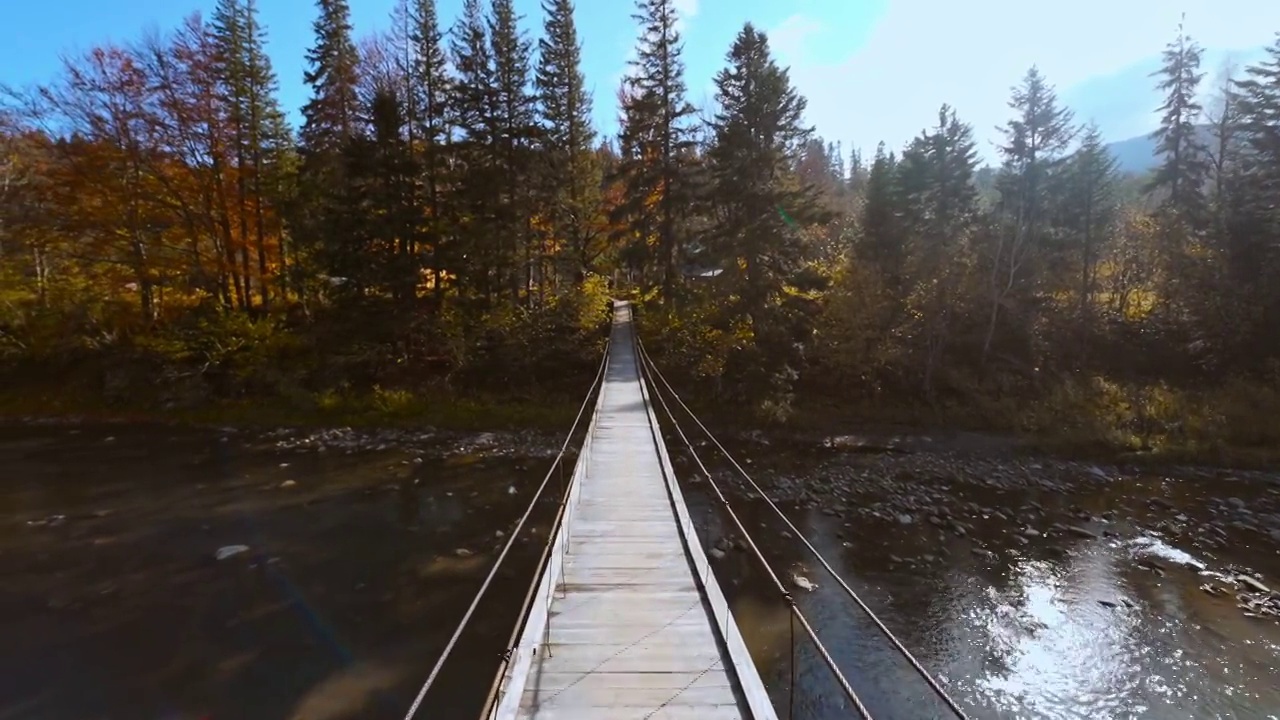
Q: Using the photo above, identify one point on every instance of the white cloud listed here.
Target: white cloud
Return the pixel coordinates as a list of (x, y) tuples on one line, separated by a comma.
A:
[(923, 53), (686, 8), (789, 38)]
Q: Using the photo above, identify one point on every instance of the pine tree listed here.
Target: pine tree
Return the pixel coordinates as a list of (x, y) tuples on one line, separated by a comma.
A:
[(571, 181), (330, 116), (516, 129), (473, 117), (936, 184), (658, 154), (428, 118), (262, 139), (762, 205), (1254, 223), (1092, 208), (330, 125), (1184, 168), (881, 242), (1035, 142)]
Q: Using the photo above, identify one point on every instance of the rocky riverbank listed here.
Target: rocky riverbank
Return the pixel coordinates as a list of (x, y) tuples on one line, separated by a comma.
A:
[(996, 499)]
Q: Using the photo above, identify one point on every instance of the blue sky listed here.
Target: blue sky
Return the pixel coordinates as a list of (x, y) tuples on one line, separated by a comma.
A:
[(871, 69)]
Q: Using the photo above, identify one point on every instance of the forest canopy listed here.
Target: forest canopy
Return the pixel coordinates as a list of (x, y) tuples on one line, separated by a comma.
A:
[(446, 221)]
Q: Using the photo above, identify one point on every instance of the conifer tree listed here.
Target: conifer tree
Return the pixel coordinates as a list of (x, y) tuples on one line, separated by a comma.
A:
[(1091, 209), (881, 241), (658, 138), (516, 128), (1184, 168), (572, 176), (262, 138), (936, 174), (330, 124), (429, 128), (330, 116), (1035, 142), (761, 204), (1254, 226), (473, 119)]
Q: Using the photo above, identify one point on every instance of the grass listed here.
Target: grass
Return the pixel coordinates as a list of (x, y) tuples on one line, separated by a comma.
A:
[(1233, 424), (380, 408)]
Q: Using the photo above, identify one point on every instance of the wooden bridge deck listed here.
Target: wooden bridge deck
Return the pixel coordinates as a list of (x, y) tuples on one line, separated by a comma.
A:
[(629, 623)]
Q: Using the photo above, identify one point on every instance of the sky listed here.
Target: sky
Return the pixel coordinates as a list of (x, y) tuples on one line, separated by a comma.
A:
[(872, 70)]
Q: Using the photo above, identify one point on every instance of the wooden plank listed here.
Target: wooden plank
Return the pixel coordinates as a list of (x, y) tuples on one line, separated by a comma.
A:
[(553, 681), (621, 696), (670, 712), (621, 628)]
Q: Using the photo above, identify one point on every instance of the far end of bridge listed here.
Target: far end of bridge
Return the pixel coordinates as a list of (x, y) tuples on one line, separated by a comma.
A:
[(628, 622)]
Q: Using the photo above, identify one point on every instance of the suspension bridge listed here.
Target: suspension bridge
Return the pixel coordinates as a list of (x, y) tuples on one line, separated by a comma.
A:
[(624, 619)]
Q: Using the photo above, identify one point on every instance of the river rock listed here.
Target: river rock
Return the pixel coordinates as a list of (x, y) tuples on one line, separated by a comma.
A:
[(1031, 533), (230, 551), (463, 553), (1253, 584), (906, 519), (289, 483), (716, 554), (1077, 530), (803, 583)]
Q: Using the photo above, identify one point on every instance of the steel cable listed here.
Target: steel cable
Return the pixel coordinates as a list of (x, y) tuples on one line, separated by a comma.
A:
[(937, 688), (787, 597), (511, 538)]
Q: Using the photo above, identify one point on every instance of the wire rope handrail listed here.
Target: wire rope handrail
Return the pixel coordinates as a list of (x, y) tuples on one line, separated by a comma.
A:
[(796, 614), (506, 548), (933, 683)]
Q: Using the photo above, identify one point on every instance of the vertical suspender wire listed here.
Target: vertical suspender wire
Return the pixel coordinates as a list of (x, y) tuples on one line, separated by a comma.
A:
[(755, 549), (791, 687), (884, 629)]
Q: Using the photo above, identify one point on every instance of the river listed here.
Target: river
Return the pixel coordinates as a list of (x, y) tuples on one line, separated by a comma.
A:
[(1031, 587)]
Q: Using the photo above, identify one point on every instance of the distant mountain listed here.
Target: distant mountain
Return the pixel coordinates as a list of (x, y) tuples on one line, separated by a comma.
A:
[(1137, 155)]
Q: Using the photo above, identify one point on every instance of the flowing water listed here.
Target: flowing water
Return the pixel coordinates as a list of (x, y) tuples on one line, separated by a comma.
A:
[(1032, 588)]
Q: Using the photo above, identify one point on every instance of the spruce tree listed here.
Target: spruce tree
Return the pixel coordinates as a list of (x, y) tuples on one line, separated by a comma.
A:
[(571, 179), (330, 116), (936, 184), (1254, 224), (330, 124), (659, 138), (473, 118), (1184, 168), (761, 204), (1091, 210), (247, 86), (229, 29), (516, 128), (429, 127), (1035, 142), (881, 242)]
